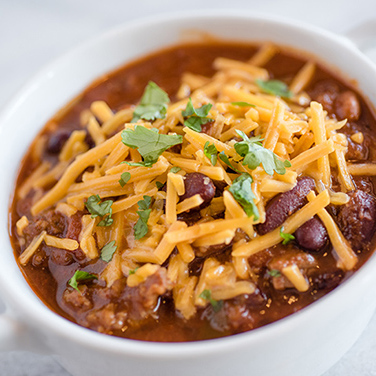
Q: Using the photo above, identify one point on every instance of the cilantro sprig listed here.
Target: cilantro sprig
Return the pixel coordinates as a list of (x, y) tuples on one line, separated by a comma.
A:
[(241, 189), (124, 178), (286, 236), (216, 304), (141, 226), (100, 209), (195, 117), (254, 154), (80, 276), (153, 104), (243, 104), (149, 142), (108, 251), (133, 271), (274, 273), (211, 152), (224, 158), (175, 169), (274, 87)]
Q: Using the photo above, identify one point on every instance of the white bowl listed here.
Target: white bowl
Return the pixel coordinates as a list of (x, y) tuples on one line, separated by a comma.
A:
[(306, 343)]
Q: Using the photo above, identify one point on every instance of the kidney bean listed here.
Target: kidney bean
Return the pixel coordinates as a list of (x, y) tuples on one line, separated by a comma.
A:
[(190, 218), (347, 106), (89, 140), (285, 204), (357, 219), (325, 92), (197, 183), (57, 140), (312, 235)]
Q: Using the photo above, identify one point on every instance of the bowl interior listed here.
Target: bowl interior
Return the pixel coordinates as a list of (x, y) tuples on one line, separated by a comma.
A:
[(62, 80)]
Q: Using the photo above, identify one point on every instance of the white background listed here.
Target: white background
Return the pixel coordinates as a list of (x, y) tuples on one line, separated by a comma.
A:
[(32, 33)]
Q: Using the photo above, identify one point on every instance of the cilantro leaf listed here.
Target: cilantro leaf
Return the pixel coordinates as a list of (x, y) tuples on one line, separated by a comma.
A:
[(243, 104), (175, 169), (141, 227), (80, 276), (124, 179), (274, 87), (132, 271), (241, 189), (224, 158), (159, 184), (100, 209), (217, 305), (108, 251), (255, 154), (211, 152), (106, 221), (153, 104), (286, 236), (149, 142), (145, 203), (196, 116), (274, 273)]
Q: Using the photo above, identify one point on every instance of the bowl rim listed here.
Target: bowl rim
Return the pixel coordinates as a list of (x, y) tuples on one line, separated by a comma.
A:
[(42, 314)]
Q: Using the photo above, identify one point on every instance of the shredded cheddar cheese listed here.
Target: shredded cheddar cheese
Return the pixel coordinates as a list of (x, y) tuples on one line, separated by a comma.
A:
[(132, 204)]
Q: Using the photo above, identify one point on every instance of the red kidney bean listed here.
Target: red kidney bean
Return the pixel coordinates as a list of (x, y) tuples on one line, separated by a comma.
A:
[(57, 140), (347, 106), (89, 140), (325, 92), (285, 204), (357, 219), (197, 183), (312, 235)]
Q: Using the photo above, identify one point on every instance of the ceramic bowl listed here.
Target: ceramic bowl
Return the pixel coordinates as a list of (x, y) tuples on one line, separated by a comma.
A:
[(305, 343)]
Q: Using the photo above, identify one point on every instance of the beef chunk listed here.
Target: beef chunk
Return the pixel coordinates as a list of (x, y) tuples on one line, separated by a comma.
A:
[(356, 219), (143, 299)]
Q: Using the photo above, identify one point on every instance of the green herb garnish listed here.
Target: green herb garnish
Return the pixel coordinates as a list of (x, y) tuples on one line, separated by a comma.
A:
[(241, 189), (274, 87), (217, 305), (196, 116), (274, 273), (108, 251), (132, 271), (100, 209), (243, 104), (141, 227), (124, 179), (255, 154), (149, 142), (286, 236), (175, 169), (211, 152), (153, 104), (224, 158), (80, 276), (159, 184)]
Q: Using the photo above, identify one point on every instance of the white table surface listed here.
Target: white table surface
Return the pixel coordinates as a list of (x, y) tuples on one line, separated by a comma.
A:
[(32, 33)]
